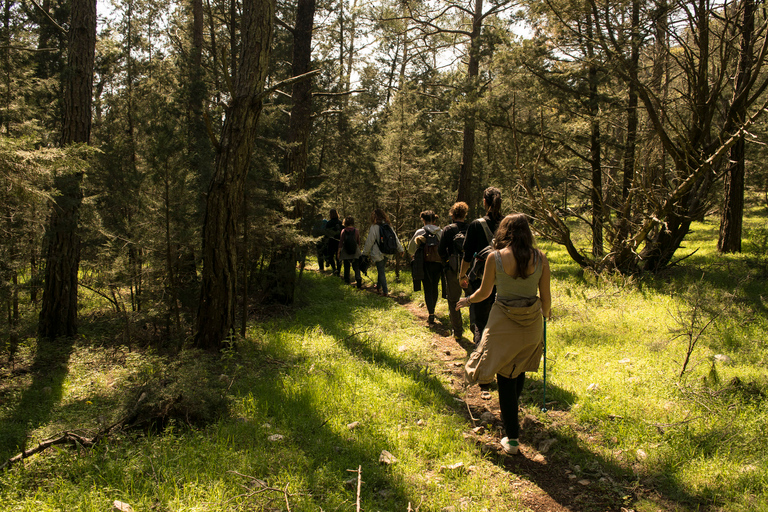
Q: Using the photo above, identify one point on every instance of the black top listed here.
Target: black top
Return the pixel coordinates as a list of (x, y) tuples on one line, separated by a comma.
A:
[(445, 249), (334, 226), (476, 239)]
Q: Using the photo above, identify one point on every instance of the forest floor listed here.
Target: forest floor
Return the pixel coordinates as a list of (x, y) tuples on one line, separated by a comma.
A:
[(547, 483)]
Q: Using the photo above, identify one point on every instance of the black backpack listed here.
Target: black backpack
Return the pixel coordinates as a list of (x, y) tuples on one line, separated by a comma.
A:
[(478, 264), (457, 250), (431, 241), (387, 239), (348, 242)]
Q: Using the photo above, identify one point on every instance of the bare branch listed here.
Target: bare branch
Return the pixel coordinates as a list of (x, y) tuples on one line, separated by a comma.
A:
[(287, 81), (27, 49), (48, 15), (285, 25)]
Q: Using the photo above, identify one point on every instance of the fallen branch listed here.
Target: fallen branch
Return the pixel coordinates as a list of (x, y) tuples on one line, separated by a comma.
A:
[(285, 495), (73, 438), (65, 438)]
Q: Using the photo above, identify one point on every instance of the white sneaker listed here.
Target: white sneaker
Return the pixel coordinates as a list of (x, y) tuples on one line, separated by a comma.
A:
[(510, 446)]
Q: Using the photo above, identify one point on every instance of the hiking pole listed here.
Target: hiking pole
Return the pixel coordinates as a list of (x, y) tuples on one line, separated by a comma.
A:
[(544, 402)]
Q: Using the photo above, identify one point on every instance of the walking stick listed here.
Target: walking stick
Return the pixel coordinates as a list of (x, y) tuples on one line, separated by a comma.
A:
[(544, 403)]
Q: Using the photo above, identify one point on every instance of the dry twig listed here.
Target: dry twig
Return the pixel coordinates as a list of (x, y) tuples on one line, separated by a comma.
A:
[(359, 472)]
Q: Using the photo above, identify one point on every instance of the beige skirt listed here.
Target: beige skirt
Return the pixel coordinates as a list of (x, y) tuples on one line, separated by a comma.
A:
[(512, 342)]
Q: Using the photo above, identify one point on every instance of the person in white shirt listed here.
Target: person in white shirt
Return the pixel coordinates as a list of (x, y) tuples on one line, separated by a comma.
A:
[(372, 249)]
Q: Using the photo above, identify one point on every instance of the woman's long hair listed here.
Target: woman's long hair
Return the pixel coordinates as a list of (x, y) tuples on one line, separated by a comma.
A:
[(515, 232), (492, 198), (379, 216)]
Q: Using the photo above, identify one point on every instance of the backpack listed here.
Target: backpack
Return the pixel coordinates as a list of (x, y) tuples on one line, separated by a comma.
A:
[(457, 250), (333, 229), (478, 264), (348, 242), (387, 241), (431, 241)]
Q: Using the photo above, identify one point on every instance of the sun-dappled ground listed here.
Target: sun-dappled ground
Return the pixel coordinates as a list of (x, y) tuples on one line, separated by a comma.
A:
[(655, 400)]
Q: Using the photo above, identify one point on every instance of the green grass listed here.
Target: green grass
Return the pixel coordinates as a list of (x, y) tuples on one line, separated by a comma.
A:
[(343, 356), (612, 350), (622, 415)]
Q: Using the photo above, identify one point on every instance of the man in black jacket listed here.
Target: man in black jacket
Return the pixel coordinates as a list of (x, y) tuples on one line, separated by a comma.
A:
[(451, 251)]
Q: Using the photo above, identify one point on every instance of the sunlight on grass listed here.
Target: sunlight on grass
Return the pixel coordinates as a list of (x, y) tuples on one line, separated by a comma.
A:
[(322, 390)]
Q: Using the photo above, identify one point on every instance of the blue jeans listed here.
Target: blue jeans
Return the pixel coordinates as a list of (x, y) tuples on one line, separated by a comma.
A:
[(356, 267), (381, 282)]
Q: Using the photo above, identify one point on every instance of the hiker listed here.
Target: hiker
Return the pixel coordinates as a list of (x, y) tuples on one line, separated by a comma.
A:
[(349, 250), (476, 246), (321, 245), (451, 251), (333, 230), (381, 241), (427, 239), (513, 340)]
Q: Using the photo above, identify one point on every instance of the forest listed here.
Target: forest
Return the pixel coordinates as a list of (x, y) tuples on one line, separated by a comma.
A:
[(172, 157), (162, 163)]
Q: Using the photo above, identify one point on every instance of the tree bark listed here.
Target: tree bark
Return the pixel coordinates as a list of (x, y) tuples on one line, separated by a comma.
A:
[(595, 149), (623, 253), (733, 207), (216, 312), (58, 314), (464, 192)]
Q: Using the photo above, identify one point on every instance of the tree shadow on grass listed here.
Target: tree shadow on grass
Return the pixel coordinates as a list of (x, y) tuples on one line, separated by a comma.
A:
[(329, 452), (613, 483), (328, 458), (48, 372), (574, 476)]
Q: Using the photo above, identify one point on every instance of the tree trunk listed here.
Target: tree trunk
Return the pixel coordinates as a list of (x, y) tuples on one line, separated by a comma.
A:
[(58, 315), (733, 207), (660, 250), (282, 268), (464, 192), (656, 178), (595, 150), (624, 257), (216, 312)]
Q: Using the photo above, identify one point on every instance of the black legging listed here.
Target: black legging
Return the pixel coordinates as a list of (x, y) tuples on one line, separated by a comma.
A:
[(432, 273), (509, 398), (332, 256), (479, 311)]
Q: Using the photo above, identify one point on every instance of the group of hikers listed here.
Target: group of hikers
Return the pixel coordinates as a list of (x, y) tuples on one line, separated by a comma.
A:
[(504, 278)]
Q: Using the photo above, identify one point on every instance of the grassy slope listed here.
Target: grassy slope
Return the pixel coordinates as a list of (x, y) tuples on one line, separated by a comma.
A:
[(617, 405), (343, 356), (615, 359)]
